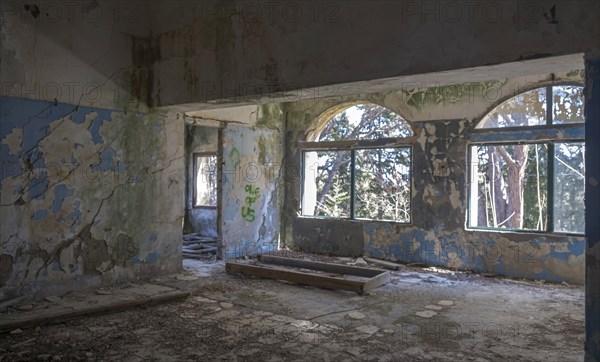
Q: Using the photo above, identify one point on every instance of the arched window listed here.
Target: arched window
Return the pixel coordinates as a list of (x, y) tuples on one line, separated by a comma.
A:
[(359, 165), (527, 163)]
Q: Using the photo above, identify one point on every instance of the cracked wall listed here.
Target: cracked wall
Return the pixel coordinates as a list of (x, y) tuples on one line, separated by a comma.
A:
[(90, 196), (251, 184), (443, 119)]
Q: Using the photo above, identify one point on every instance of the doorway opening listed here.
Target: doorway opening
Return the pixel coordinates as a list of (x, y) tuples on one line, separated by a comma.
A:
[(200, 231)]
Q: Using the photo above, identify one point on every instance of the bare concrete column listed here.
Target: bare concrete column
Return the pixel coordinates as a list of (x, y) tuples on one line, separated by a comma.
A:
[(592, 210)]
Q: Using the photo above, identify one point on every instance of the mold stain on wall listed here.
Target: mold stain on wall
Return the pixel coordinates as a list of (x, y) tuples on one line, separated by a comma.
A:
[(78, 186), (437, 234)]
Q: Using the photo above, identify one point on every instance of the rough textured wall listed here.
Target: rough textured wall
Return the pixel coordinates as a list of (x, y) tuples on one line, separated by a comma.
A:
[(94, 54), (250, 190), (89, 196), (241, 50), (199, 220), (437, 234), (592, 204)]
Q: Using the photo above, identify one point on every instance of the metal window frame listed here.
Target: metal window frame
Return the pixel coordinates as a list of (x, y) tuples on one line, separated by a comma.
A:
[(575, 132), (353, 146)]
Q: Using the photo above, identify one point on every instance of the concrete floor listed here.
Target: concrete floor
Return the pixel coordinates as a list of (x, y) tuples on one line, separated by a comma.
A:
[(422, 314)]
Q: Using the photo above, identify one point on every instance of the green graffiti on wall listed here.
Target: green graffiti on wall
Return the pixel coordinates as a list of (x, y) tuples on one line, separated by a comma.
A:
[(248, 212)]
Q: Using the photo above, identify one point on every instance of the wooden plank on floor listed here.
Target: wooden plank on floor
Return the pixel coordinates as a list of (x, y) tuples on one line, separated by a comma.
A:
[(8, 324), (293, 276), (326, 267), (193, 242), (200, 251), (383, 263), (376, 281), (200, 246)]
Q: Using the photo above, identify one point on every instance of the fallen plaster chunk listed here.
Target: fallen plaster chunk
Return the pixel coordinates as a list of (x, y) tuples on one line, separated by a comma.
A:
[(388, 331), (303, 324), (433, 307), (426, 313), (446, 303), (282, 318), (367, 329), (355, 315), (53, 299), (186, 277), (204, 300), (25, 307), (360, 261), (226, 305), (16, 331), (262, 313)]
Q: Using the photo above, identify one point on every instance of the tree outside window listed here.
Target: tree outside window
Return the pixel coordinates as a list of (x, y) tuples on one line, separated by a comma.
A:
[(205, 180), (359, 179), (520, 184)]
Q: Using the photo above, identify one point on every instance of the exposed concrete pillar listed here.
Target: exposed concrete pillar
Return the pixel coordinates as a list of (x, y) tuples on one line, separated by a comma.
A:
[(592, 210)]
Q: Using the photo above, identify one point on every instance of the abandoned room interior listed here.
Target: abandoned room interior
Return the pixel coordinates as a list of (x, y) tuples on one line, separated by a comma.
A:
[(300, 180)]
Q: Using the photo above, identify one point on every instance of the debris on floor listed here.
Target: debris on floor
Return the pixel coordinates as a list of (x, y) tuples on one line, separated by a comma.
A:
[(53, 310), (318, 274), (231, 317), (196, 246), (228, 317)]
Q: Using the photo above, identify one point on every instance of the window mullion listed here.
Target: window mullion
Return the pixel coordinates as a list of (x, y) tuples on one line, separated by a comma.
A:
[(550, 197), (550, 163), (352, 182)]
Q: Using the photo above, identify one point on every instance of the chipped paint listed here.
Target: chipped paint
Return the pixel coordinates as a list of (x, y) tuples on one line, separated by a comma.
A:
[(71, 214), (437, 235), (251, 177)]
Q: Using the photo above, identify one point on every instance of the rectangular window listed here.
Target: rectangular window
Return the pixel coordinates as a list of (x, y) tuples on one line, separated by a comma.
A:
[(358, 184), (569, 187), (205, 174), (383, 184), (327, 183), (515, 187)]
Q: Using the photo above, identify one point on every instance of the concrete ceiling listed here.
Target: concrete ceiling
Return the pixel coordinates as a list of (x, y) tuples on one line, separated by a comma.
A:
[(213, 109)]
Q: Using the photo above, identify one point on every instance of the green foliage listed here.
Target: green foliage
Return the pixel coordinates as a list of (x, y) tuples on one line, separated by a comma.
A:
[(513, 180), (382, 176)]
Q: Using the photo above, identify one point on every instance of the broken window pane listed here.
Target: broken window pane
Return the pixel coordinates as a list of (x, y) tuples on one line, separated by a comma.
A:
[(510, 183), (567, 106), (327, 182), (206, 181), (365, 121), (525, 109), (382, 184), (569, 187)]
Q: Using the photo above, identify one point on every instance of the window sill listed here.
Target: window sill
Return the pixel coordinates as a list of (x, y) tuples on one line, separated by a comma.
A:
[(309, 217), (524, 232)]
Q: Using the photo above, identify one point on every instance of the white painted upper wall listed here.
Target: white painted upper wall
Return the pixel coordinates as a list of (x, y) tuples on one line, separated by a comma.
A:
[(71, 52)]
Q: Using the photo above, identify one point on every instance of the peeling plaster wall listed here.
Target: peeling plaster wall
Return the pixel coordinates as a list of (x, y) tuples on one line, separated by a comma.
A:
[(251, 196), (442, 119), (199, 220), (92, 183), (89, 196)]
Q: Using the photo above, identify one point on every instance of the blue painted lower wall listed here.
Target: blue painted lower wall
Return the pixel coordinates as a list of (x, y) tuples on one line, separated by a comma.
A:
[(437, 234), (85, 195)]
